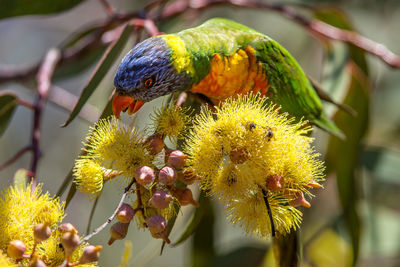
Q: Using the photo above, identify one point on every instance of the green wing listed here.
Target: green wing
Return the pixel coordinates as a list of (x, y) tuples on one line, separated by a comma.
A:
[(290, 87)]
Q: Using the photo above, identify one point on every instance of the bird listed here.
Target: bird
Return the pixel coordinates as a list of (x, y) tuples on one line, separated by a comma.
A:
[(218, 59)]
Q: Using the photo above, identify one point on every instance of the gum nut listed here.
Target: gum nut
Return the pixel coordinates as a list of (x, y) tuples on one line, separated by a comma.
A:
[(144, 175), (155, 144), (186, 198), (16, 249), (156, 225), (67, 227), (125, 213), (160, 199), (176, 159), (118, 231), (167, 175), (90, 254), (274, 182), (188, 176), (41, 232), (70, 241)]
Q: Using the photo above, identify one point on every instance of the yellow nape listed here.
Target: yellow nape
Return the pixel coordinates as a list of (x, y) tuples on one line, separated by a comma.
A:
[(239, 73), (181, 58)]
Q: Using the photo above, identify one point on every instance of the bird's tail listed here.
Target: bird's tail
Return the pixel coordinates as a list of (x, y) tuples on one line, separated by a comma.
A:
[(326, 124)]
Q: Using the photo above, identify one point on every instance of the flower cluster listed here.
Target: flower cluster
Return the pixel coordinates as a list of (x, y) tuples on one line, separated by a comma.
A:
[(30, 235), (114, 149), (252, 158)]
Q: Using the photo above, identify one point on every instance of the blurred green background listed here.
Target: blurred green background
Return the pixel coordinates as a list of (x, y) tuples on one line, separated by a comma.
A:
[(360, 200)]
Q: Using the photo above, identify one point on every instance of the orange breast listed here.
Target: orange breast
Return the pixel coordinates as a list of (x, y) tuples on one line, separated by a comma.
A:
[(239, 73)]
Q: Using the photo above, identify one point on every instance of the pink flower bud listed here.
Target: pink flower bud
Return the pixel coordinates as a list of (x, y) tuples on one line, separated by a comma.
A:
[(41, 232), (155, 144), (158, 227), (144, 175), (118, 231), (16, 249), (67, 227), (70, 241), (125, 213), (187, 198), (176, 159), (90, 254), (188, 176), (167, 175), (160, 200), (274, 182)]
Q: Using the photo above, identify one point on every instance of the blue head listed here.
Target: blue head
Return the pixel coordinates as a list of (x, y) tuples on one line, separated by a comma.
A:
[(147, 72)]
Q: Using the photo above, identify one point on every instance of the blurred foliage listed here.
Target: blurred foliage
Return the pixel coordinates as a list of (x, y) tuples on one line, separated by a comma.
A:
[(11, 8), (364, 169)]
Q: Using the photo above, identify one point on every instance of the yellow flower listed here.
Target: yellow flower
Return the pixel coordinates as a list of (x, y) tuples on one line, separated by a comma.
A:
[(118, 147), (20, 210), (243, 143), (89, 176), (6, 261), (52, 253), (170, 121)]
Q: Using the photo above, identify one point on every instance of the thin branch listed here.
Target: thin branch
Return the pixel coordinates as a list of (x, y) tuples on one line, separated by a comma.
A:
[(44, 83), (109, 220), (17, 155), (107, 7), (148, 25), (314, 26), (25, 103)]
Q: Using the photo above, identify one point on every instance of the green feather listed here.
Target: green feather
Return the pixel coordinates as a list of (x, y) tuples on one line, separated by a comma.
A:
[(290, 87)]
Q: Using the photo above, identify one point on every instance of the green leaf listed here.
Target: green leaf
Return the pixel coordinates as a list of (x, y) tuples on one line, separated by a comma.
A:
[(287, 249), (194, 221), (8, 103), (203, 253), (343, 155), (20, 178), (107, 111), (11, 8), (112, 53), (170, 224), (242, 257)]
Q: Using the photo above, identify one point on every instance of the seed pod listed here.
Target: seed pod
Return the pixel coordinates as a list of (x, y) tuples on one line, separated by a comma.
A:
[(158, 227), (125, 213), (239, 155), (176, 159), (90, 254), (144, 175), (155, 144), (70, 241), (160, 200), (16, 249), (41, 232), (118, 231), (274, 182), (186, 198), (167, 175)]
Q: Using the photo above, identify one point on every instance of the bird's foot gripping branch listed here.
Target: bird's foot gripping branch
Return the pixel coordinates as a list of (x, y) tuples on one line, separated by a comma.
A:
[(259, 163)]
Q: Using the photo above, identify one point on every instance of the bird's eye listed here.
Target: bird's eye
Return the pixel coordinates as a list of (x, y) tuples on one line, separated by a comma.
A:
[(148, 82)]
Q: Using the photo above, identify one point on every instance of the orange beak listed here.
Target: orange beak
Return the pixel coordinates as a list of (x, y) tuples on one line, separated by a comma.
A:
[(121, 103)]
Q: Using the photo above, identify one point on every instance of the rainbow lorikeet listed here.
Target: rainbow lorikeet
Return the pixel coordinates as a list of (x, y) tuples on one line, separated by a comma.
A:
[(218, 59)]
